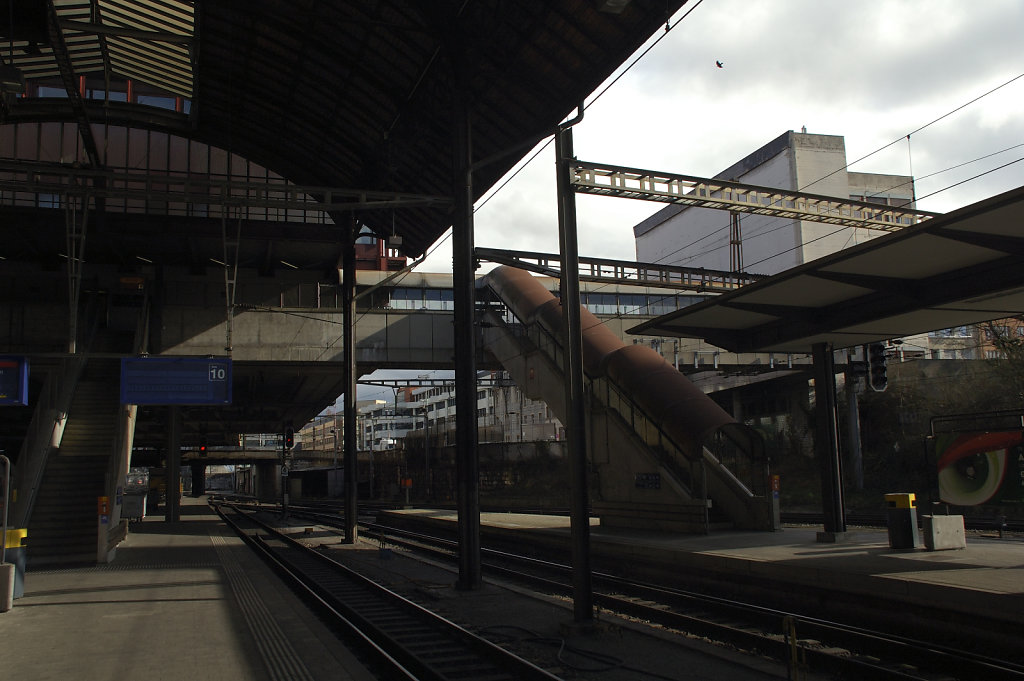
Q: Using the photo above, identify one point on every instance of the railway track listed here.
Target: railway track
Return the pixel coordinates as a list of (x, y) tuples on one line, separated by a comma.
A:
[(403, 640), (820, 645), (853, 518), (801, 641)]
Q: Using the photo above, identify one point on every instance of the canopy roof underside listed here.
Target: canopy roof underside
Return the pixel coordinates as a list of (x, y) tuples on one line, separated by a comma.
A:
[(344, 94), (960, 268)]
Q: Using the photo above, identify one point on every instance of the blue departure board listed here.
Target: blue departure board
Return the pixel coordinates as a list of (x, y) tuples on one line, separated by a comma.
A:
[(13, 381), (176, 380)]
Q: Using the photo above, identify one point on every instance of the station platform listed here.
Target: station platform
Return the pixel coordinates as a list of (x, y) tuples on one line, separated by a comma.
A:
[(190, 600), (184, 600), (986, 579)]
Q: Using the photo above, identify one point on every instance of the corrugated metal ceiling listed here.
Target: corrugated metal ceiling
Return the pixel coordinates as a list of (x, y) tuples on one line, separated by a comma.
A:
[(148, 41), (348, 93)]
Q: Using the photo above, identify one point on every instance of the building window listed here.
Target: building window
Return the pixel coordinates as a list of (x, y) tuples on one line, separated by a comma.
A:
[(439, 299), (632, 304), (600, 303), (406, 298), (48, 200)]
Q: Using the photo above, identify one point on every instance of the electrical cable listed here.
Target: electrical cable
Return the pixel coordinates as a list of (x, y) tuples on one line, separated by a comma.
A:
[(833, 233), (790, 223), (668, 28), (848, 165), (913, 132)]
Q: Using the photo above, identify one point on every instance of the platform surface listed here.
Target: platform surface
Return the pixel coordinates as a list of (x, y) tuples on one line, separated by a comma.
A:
[(986, 577), (184, 600)]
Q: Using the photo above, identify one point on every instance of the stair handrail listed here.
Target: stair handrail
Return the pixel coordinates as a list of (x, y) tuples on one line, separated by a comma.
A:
[(120, 455), (46, 428), (44, 434)]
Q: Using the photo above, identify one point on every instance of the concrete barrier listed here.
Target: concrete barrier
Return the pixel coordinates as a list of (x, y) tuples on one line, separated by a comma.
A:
[(943, 532)]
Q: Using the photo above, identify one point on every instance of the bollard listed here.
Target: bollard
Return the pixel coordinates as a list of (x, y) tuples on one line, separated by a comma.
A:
[(6, 586)]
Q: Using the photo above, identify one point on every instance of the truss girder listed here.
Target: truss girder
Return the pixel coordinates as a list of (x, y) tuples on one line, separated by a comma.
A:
[(36, 178), (604, 271), (702, 192), (69, 78)]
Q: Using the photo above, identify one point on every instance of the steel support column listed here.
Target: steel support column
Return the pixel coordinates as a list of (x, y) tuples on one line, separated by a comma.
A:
[(576, 427), (198, 478), (172, 509), (826, 444), (855, 457), (348, 295), (467, 476)]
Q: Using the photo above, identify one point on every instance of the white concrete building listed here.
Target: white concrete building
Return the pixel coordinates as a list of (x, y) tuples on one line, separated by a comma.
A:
[(794, 161)]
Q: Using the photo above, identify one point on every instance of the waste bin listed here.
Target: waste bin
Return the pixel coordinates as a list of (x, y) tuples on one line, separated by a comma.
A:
[(901, 519), (15, 553), (133, 505)]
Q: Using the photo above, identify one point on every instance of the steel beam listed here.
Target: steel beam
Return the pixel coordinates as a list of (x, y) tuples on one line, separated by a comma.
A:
[(192, 188), (605, 271), (348, 295), (172, 508), (826, 444), (703, 192), (466, 462), (575, 404), (68, 76)]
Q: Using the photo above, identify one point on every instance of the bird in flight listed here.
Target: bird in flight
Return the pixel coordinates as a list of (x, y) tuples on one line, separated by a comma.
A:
[(718, 64)]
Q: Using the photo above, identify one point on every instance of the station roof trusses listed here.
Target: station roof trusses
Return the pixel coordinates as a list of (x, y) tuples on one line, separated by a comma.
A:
[(345, 94), (148, 41)]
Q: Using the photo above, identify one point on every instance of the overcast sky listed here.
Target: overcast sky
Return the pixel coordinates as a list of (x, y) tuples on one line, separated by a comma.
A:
[(869, 71)]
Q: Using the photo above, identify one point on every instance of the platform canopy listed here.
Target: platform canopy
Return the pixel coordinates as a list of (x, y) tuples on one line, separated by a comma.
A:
[(964, 267), (353, 94)]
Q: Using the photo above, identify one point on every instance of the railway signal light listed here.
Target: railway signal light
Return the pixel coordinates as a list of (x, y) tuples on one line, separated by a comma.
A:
[(876, 367), (289, 437)]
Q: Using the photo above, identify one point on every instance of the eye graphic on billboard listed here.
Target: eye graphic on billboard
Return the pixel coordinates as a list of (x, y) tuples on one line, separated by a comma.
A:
[(981, 468)]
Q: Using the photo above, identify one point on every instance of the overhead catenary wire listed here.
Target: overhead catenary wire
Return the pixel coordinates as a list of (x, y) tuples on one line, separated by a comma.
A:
[(916, 198), (851, 163), (668, 28), (663, 258), (631, 311), (938, 191)]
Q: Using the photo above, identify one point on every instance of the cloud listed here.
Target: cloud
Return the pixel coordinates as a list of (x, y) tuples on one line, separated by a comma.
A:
[(872, 72)]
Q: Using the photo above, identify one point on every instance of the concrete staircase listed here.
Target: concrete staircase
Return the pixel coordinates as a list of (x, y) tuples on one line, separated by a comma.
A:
[(62, 528), (648, 475)]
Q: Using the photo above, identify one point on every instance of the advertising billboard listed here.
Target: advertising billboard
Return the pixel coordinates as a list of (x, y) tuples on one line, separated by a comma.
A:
[(978, 468)]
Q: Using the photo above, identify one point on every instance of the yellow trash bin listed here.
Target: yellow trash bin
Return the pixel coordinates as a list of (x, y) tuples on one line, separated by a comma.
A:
[(14, 552), (901, 520)]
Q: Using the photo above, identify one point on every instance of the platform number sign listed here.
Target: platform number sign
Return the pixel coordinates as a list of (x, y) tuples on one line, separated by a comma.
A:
[(218, 373)]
